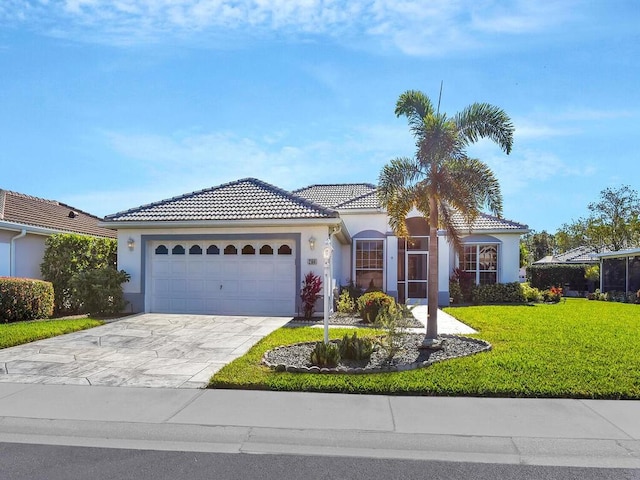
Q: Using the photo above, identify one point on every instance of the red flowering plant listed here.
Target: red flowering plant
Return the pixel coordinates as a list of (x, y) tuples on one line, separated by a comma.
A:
[(553, 295), (310, 292)]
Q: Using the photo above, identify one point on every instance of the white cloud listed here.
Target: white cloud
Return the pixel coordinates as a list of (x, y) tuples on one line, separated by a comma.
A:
[(411, 26), (204, 159)]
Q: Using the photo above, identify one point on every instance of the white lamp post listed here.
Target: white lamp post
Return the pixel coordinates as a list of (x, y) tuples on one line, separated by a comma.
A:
[(326, 254)]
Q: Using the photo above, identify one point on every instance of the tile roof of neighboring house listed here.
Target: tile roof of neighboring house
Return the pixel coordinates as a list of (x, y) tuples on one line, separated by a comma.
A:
[(363, 195), (246, 199), (49, 214), (582, 254), (338, 194)]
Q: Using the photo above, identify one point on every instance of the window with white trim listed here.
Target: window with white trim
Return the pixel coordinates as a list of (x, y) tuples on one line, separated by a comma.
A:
[(481, 261), (369, 261)]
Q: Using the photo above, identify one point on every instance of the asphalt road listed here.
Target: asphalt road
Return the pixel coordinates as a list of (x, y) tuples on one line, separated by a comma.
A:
[(47, 462)]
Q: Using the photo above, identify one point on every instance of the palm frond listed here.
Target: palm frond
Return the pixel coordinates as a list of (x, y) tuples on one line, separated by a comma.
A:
[(483, 120), (414, 105)]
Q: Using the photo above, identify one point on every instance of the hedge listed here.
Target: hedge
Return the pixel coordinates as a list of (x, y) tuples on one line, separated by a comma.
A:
[(544, 277), (498, 293), (67, 254), (25, 299)]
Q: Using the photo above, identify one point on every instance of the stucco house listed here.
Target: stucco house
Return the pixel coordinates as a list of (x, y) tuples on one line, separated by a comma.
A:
[(25, 224), (244, 247)]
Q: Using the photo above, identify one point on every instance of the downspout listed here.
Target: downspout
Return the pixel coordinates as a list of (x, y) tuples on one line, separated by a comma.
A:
[(12, 252)]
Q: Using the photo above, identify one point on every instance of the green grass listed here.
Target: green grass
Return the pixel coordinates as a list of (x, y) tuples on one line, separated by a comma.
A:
[(577, 348), (12, 334)]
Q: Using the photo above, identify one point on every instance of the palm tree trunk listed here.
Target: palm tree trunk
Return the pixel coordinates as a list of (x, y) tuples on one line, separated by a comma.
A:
[(432, 285)]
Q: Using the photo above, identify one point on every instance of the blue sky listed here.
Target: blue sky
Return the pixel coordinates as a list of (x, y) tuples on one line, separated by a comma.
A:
[(109, 104)]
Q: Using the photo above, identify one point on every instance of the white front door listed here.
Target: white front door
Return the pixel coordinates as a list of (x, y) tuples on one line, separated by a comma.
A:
[(228, 278)]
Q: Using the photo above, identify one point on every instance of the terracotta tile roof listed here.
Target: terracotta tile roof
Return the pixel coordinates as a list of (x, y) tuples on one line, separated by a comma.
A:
[(50, 214), (338, 194), (246, 199)]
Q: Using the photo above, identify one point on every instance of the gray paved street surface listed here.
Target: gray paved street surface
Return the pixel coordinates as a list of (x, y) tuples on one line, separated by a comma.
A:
[(561, 432), (38, 462)]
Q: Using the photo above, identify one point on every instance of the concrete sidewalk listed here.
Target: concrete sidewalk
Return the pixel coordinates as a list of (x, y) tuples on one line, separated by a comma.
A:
[(500, 430)]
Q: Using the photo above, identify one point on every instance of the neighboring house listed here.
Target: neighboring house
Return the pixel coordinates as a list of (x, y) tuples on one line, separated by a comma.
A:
[(578, 255), (244, 247), (620, 271), (583, 255), (25, 224)]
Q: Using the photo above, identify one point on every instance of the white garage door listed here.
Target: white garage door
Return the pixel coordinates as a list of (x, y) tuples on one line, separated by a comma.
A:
[(225, 278)]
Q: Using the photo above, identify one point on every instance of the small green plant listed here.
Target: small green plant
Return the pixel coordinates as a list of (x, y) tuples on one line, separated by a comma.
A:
[(325, 355), (354, 348), (393, 319), (370, 304), (310, 292), (346, 304)]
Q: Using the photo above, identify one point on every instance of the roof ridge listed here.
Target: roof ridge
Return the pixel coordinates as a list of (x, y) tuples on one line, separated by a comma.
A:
[(254, 181), (354, 199), (292, 196), (39, 199), (366, 184), (30, 197)]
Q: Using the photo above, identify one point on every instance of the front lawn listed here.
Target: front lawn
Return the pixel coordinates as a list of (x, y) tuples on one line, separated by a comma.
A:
[(577, 348), (12, 334)]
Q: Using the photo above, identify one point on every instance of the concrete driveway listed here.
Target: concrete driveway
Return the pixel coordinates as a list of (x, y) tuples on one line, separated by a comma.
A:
[(146, 350)]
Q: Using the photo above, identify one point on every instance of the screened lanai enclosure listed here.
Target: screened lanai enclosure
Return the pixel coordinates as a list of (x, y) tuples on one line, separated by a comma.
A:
[(620, 271)]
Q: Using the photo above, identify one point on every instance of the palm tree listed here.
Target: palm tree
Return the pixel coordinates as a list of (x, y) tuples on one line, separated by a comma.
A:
[(441, 181)]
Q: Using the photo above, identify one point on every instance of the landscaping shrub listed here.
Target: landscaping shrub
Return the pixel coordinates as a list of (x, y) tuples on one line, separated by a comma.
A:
[(325, 355), (498, 293), (544, 277), (465, 281), (311, 287), (67, 254), (393, 318), (354, 348), (455, 292), (369, 305), (346, 304), (99, 291), (25, 299), (531, 294), (552, 295)]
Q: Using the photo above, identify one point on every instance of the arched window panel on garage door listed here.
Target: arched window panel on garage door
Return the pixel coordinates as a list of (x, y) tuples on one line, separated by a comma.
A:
[(230, 250), (266, 250), (162, 250), (213, 250), (177, 250), (284, 250), (195, 250), (248, 250)]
